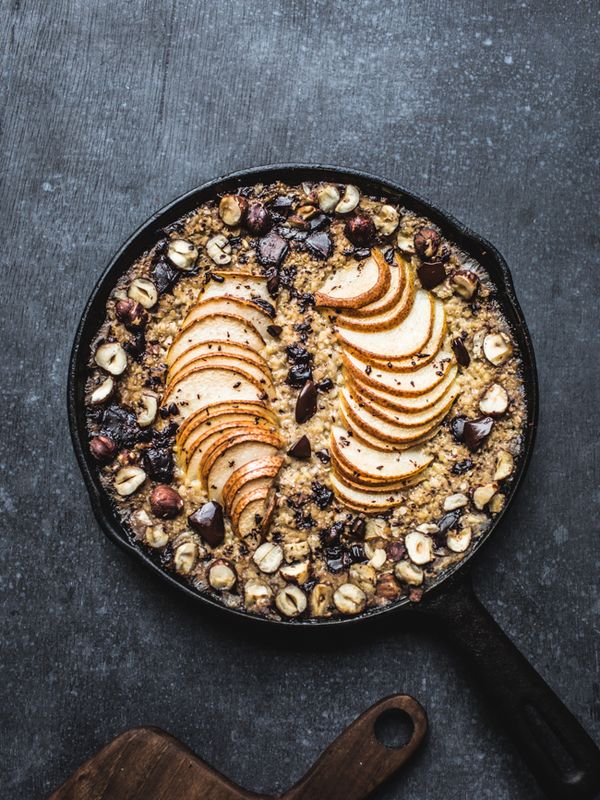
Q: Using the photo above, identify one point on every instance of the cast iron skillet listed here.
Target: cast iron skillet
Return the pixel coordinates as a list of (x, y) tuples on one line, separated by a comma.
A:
[(562, 756)]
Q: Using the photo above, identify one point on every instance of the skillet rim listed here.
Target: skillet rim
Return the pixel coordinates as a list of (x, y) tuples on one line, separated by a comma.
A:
[(147, 234)]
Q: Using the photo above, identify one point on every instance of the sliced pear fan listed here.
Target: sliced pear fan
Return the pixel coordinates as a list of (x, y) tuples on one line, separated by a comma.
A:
[(214, 347), (364, 500), (355, 286), (235, 284), (216, 327), (205, 414), (409, 440), (399, 272), (251, 416), (246, 309), (392, 402), (413, 418), (263, 470), (252, 511), (420, 380)]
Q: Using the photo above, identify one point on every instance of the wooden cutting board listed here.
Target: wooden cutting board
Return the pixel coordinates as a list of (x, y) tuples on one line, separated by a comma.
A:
[(149, 764)]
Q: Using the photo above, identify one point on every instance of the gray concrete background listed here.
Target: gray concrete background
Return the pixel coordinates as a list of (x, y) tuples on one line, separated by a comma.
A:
[(111, 109)]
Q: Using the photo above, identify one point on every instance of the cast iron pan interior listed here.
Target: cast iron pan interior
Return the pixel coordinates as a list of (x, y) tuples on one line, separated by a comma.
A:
[(147, 236)]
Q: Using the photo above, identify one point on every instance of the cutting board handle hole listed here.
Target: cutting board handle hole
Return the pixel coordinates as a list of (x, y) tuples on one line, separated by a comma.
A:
[(394, 728)]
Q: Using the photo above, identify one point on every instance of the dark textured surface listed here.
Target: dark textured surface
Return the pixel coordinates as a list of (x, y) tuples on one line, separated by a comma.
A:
[(108, 111)]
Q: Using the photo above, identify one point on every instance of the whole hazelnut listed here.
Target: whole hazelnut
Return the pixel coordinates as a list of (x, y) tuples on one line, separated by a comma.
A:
[(387, 586), (258, 219), (103, 449), (465, 283), (130, 313), (427, 242), (232, 209), (165, 502), (360, 229)]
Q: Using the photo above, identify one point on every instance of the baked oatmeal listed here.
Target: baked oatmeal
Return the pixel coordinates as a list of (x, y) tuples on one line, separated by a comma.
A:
[(305, 401)]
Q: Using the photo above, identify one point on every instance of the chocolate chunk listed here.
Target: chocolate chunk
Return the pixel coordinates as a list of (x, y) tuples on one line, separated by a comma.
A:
[(332, 535), (165, 276), (357, 554), (360, 253), (274, 331), (358, 528), (298, 375), (282, 204), (272, 249), (461, 352), (306, 404), (321, 495), (265, 305), (431, 275), (305, 300), (326, 385), (457, 427), (323, 456), (317, 222), (136, 347), (120, 425), (158, 464), (389, 256), (319, 244), (460, 467), (336, 558), (208, 522), (216, 278), (476, 432), (449, 521), (299, 354), (301, 449)]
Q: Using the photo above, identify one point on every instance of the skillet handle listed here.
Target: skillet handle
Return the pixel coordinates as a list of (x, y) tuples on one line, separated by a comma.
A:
[(559, 752)]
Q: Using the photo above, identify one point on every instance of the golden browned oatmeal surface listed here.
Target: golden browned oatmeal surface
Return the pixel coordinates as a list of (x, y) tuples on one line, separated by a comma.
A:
[(309, 550)]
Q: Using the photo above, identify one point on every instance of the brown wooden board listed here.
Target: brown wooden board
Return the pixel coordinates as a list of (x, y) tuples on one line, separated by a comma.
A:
[(149, 764)]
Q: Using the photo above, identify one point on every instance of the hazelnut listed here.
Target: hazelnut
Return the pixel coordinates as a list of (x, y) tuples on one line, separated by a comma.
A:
[(328, 197), (504, 465), (387, 587), (465, 283), (307, 211), (182, 254), (363, 576), (458, 541), (131, 313), (295, 551), (378, 558), (297, 572), (232, 209), (128, 480), (349, 599), (427, 242), (149, 409), (494, 401), (386, 220), (496, 504), (268, 557), (165, 502), (257, 594), (219, 249), (455, 501), (143, 292), (291, 601), (139, 521), (405, 243), (360, 230), (349, 201), (258, 219), (409, 573), (221, 575), (111, 357), (483, 494), (102, 392), (103, 449), (497, 348), (321, 599), (419, 547), (185, 556), (428, 527), (156, 536)]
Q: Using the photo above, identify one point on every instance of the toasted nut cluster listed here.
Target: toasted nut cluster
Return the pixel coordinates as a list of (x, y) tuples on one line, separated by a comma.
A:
[(465, 283), (454, 501), (497, 348), (131, 313), (349, 599), (387, 587), (386, 220), (349, 201), (221, 575), (298, 572), (182, 254), (149, 409), (102, 392), (268, 557), (494, 401), (165, 502), (128, 480), (232, 209), (111, 357), (364, 576), (219, 249), (257, 595), (328, 197), (156, 536), (419, 547), (483, 494), (321, 599), (103, 449), (185, 556), (504, 465), (291, 601), (144, 292), (409, 573), (458, 540)]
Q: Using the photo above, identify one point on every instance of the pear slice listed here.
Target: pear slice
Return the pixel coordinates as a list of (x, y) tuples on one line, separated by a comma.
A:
[(253, 415), (193, 459), (259, 371), (398, 343), (376, 466), (390, 318), (252, 511), (411, 438), (262, 472), (235, 284), (355, 286), (231, 451), (353, 482), (212, 347), (418, 381), (364, 500), (205, 414), (399, 273), (367, 394), (239, 306), (216, 327), (204, 385)]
